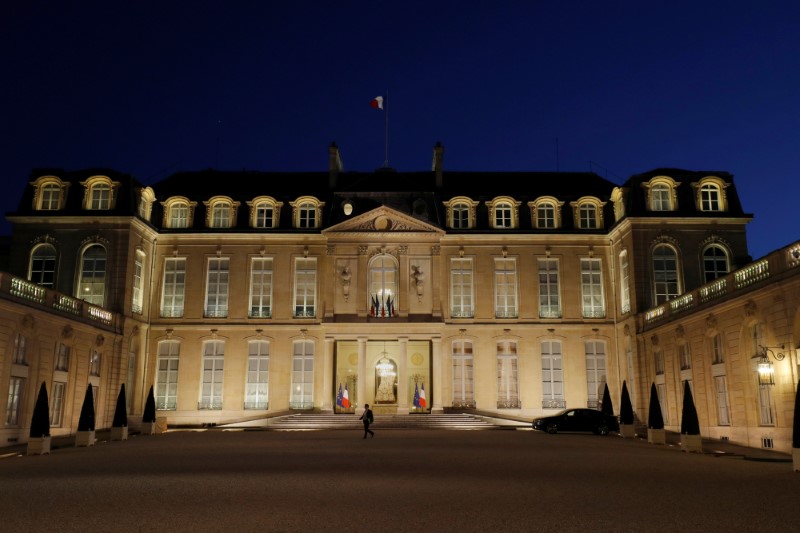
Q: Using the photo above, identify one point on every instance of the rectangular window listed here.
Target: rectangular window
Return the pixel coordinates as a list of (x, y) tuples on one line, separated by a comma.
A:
[(765, 405), (257, 393), (20, 350), (94, 363), (172, 298), (505, 288), (43, 266), (302, 396), (221, 216), (101, 197), (179, 216), (138, 293), (166, 390), (265, 216), (92, 285), (57, 403), (507, 376), (51, 197), (305, 287), (62, 357), (308, 216), (723, 414), (595, 372), (552, 376), (261, 288), (588, 216), (718, 353), (546, 216), (461, 288), (217, 287), (659, 359), (624, 283), (549, 303), (213, 370), (686, 356), (16, 386), (460, 217), (592, 289), (502, 216), (661, 392), (463, 390)]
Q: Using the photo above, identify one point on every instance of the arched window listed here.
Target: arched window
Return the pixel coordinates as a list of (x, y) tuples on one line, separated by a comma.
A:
[(715, 262), (546, 215), (460, 212), (461, 216), (503, 212), (179, 215), (660, 197), (502, 215), (221, 215), (92, 283), (264, 212), (463, 388), (51, 197), (588, 212), (306, 212), (665, 273), (166, 389), (302, 395), (99, 193), (43, 265), (710, 197), (383, 286), (507, 376)]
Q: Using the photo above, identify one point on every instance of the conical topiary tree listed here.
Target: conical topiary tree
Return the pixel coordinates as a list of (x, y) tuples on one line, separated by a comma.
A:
[(149, 415), (86, 420), (120, 414), (655, 420), (690, 425), (607, 407), (119, 427), (40, 422), (626, 408)]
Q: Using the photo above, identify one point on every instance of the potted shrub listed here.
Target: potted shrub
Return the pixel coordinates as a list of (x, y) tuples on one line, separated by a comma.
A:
[(39, 437), (626, 428), (149, 415), (655, 420), (85, 435), (691, 440), (796, 431), (119, 427)]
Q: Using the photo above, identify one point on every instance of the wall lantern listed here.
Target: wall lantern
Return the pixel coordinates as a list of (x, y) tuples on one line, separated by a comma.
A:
[(347, 207), (766, 371)]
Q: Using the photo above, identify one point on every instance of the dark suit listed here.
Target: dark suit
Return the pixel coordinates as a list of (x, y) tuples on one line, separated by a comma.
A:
[(365, 418)]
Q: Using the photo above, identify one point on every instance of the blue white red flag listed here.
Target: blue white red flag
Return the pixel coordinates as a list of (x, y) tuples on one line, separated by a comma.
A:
[(416, 395), (377, 102), (339, 396), (345, 399), (422, 401)]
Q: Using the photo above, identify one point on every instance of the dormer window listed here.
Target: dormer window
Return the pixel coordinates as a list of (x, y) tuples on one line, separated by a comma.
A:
[(460, 213), (711, 194), (661, 194), (588, 213), (220, 212), (546, 213), (178, 213), (503, 213), (146, 199), (99, 193), (50, 193), (306, 212), (264, 212)]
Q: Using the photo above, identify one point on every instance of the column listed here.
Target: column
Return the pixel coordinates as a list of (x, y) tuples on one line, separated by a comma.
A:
[(327, 375), (402, 377), (437, 375), (361, 386)]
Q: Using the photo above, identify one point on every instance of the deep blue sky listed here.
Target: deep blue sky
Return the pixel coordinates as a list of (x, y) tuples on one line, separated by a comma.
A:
[(618, 87)]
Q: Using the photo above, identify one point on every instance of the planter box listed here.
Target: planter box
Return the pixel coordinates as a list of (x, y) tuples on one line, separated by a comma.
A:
[(796, 459), (627, 431), (119, 433), (691, 443), (148, 428), (161, 424), (38, 445), (85, 438), (656, 436)]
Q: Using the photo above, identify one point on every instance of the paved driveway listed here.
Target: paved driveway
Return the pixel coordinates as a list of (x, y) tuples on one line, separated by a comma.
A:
[(402, 480)]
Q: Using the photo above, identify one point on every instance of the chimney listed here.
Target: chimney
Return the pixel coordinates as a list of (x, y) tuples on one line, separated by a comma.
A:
[(334, 164), (438, 156)]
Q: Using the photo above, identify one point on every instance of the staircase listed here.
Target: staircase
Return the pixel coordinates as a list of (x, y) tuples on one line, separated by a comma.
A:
[(316, 421)]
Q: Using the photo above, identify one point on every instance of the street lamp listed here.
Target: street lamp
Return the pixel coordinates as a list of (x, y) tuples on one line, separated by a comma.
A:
[(766, 372)]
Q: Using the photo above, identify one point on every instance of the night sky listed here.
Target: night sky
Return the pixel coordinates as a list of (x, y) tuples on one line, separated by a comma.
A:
[(615, 87)]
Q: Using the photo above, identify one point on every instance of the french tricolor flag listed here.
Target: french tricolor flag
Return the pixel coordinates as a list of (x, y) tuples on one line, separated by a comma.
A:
[(377, 102)]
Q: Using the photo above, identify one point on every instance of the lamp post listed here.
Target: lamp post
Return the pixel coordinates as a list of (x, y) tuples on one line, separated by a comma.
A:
[(766, 372)]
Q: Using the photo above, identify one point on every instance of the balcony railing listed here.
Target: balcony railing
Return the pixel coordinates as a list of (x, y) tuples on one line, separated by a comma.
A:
[(773, 265), (23, 289)]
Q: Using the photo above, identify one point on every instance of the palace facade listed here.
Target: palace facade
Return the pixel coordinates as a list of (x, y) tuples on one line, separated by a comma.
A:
[(246, 295)]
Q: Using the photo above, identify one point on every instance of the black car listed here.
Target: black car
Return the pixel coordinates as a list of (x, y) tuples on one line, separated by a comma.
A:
[(579, 419)]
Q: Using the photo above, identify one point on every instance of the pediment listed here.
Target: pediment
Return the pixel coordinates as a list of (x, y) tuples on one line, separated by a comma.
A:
[(383, 220)]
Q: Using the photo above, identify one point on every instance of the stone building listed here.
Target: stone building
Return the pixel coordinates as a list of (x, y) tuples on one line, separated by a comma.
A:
[(245, 295)]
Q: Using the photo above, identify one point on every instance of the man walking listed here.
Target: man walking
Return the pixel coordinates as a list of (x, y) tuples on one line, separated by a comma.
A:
[(366, 418)]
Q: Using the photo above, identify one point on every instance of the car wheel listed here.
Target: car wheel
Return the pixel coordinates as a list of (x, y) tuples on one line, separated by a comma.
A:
[(551, 428), (602, 429)]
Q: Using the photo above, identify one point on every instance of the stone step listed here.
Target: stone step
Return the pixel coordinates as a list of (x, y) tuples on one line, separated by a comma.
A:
[(384, 421)]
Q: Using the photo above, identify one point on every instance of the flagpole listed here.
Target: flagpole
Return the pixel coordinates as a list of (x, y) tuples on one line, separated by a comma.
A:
[(386, 106)]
